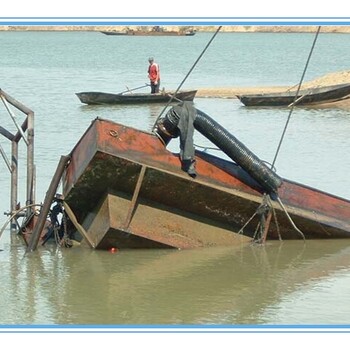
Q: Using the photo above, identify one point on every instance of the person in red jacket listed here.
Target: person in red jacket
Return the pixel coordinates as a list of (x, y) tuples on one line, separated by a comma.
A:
[(153, 75)]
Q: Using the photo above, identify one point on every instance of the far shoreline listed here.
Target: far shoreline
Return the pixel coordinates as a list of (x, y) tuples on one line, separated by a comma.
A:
[(206, 28)]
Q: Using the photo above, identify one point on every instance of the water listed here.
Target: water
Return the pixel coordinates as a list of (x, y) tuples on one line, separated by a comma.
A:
[(280, 283)]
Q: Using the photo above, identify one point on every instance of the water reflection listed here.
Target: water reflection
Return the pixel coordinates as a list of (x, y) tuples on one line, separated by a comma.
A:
[(242, 285)]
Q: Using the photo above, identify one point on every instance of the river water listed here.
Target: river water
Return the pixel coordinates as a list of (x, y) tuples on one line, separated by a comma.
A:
[(280, 283)]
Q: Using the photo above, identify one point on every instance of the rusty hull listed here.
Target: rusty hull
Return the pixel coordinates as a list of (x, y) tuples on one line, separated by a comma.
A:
[(128, 191)]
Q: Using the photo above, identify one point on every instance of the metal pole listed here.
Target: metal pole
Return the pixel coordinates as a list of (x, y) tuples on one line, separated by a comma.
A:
[(8, 164), (30, 162), (14, 181), (20, 130), (50, 194), (134, 197)]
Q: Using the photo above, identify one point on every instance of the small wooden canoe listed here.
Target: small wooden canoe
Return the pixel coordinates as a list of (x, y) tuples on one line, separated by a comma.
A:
[(320, 95), (98, 98)]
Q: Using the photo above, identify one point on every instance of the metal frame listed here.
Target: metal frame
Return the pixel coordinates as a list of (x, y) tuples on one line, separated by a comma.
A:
[(25, 132)]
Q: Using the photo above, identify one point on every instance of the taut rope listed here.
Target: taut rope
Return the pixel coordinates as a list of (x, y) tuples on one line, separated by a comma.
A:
[(187, 75)]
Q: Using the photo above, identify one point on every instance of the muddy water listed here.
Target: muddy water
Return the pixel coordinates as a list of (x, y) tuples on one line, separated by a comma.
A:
[(280, 283)]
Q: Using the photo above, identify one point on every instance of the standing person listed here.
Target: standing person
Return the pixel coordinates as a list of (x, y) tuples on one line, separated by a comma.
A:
[(153, 75)]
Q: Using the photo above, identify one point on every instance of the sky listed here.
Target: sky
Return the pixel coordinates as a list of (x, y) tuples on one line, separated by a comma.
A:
[(174, 9)]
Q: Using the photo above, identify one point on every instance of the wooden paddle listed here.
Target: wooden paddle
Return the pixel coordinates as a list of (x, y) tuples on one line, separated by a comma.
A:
[(140, 87)]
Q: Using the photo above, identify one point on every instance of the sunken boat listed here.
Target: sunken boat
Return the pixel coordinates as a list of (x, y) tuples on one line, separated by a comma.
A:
[(124, 189)]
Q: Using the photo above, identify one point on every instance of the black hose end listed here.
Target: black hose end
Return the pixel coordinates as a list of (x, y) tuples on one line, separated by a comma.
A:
[(189, 166), (162, 133), (166, 128)]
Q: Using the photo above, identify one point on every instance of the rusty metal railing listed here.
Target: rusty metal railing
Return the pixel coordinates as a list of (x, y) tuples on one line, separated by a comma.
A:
[(25, 132)]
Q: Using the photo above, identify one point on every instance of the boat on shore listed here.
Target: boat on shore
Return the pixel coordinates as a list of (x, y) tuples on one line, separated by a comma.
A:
[(98, 98), (311, 96)]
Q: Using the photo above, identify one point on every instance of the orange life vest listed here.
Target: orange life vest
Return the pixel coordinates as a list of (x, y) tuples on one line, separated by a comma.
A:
[(153, 72)]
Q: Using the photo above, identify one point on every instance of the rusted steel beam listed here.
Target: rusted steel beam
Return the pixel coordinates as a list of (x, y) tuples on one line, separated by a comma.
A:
[(19, 128), (30, 162), (14, 181), (50, 194), (6, 133), (134, 197), (24, 126), (267, 226), (76, 224), (15, 103), (5, 159)]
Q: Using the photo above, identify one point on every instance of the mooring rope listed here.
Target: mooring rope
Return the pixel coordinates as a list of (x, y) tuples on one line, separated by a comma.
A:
[(295, 97), (289, 218), (269, 203), (187, 75), (295, 102)]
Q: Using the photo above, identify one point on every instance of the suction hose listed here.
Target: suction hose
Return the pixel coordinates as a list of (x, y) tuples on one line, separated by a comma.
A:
[(166, 128)]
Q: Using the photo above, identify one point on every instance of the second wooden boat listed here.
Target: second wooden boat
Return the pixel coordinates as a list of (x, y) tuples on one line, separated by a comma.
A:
[(320, 95)]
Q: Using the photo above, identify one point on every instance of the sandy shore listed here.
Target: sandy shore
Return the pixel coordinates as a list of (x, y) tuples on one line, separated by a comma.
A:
[(231, 92), (329, 79)]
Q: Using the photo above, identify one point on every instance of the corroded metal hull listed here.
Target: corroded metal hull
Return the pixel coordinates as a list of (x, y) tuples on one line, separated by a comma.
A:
[(128, 191)]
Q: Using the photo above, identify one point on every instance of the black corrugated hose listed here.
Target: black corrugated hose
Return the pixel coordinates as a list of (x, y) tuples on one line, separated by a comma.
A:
[(228, 143), (238, 152)]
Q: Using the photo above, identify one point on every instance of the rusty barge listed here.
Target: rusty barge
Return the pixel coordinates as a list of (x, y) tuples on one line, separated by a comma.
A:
[(127, 190), (123, 189)]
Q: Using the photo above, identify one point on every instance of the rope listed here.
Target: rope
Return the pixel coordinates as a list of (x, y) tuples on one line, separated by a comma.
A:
[(289, 218), (248, 221), (295, 97), (205, 148), (15, 214), (275, 218), (296, 100), (189, 72)]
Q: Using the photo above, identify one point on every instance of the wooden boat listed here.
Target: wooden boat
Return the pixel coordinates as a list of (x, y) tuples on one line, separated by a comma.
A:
[(311, 96), (127, 190), (114, 33), (155, 31), (98, 98)]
